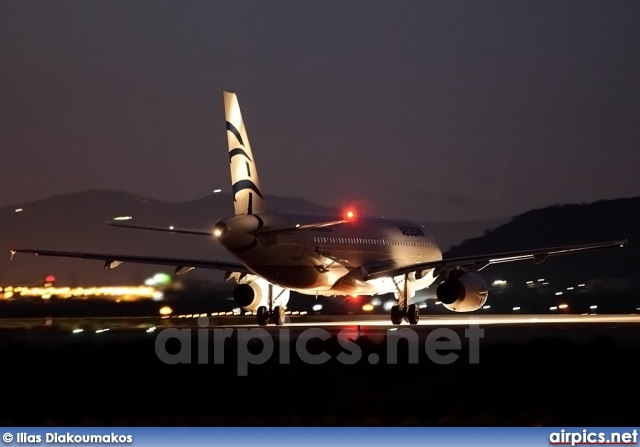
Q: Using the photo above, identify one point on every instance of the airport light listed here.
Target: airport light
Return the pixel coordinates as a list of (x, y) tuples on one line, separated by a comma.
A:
[(422, 305), (486, 307), (18, 210), (151, 329), (317, 307), (593, 307), (581, 285), (99, 331), (569, 288), (162, 278), (553, 308), (216, 191), (77, 331), (166, 310), (123, 218), (367, 307), (388, 305), (540, 279), (499, 282), (376, 302), (529, 282), (558, 293), (516, 308), (563, 306)]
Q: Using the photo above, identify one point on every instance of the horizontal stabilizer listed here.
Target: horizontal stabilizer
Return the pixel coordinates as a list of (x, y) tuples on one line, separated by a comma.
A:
[(264, 231), (166, 228)]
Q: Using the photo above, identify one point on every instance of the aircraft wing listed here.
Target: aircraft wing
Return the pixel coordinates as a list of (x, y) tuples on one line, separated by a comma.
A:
[(113, 260), (477, 263)]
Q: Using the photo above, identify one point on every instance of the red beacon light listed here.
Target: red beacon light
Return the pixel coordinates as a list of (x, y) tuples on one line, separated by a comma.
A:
[(350, 215), (50, 278)]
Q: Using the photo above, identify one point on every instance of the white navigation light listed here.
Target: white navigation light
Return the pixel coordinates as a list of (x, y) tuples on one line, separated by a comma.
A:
[(123, 218)]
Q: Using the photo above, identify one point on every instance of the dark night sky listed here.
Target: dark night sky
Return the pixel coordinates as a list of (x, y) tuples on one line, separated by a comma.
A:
[(450, 110)]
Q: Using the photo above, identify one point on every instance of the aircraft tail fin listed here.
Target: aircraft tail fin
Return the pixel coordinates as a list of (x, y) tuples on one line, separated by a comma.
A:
[(247, 195)]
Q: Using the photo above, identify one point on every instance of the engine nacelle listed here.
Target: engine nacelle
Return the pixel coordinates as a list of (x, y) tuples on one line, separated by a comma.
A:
[(466, 293), (254, 294)]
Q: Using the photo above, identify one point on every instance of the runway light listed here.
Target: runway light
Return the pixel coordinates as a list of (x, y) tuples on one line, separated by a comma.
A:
[(558, 293), (166, 310), (541, 279), (216, 191), (367, 307), (529, 282), (499, 282), (101, 330), (486, 307), (569, 288), (388, 305), (593, 307), (18, 210), (123, 218), (317, 307), (151, 329), (553, 308), (77, 331), (563, 306), (171, 227), (376, 301), (516, 308), (580, 285)]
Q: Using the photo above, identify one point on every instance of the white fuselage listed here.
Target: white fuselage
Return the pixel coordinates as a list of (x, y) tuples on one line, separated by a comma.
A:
[(326, 261)]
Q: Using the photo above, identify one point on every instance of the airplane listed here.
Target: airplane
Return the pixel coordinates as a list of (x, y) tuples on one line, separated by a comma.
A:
[(333, 255)]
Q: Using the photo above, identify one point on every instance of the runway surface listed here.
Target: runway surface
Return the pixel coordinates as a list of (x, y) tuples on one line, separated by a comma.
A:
[(456, 320), (496, 328)]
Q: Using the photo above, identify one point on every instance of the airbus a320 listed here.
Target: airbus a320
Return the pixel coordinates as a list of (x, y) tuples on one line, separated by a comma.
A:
[(324, 255)]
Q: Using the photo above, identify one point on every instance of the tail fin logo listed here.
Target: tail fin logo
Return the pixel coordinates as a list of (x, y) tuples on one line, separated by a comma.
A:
[(247, 196)]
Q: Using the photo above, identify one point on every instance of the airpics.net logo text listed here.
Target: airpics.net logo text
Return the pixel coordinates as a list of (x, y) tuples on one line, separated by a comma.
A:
[(256, 346)]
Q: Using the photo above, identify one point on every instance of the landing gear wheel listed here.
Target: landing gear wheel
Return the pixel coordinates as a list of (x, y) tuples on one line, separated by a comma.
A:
[(262, 315), (396, 316), (278, 315), (413, 314)]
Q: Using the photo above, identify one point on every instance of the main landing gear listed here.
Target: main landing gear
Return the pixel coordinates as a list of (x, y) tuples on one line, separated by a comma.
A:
[(404, 311), (275, 314)]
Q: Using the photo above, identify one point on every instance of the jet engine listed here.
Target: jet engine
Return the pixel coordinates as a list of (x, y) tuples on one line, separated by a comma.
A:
[(465, 293), (251, 295)]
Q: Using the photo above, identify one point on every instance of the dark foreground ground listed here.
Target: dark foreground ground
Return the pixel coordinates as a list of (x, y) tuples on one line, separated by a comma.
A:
[(559, 376)]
